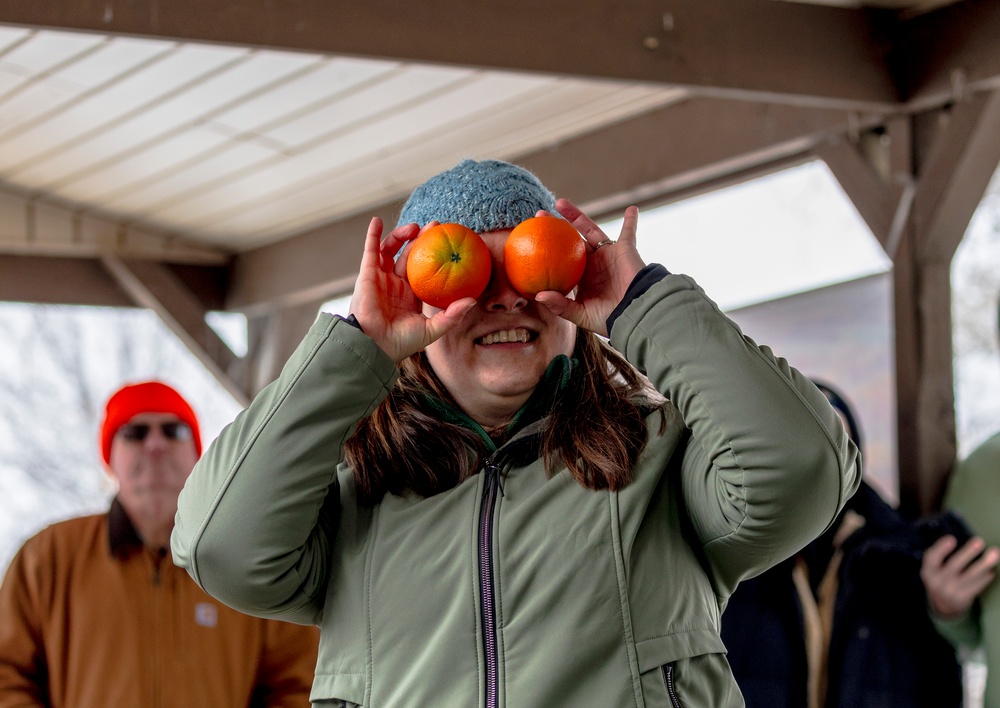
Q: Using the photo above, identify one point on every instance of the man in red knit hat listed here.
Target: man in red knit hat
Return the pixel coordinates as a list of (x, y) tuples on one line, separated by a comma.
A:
[(93, 613)]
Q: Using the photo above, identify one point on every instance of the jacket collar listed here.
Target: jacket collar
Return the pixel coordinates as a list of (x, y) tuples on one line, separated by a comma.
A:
[(123, 539), (555, 380)]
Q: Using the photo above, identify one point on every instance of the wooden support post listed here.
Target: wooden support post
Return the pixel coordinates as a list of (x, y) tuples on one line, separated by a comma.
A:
[(940, 164)]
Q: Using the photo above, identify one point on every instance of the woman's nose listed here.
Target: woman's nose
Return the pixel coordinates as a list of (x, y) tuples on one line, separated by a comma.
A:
[(500, 296)]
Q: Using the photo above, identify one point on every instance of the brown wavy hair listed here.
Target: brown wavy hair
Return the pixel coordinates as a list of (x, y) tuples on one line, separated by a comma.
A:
[(597, 429)]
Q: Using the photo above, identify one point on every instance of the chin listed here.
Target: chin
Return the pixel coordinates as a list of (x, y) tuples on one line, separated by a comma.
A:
[(512, 384)]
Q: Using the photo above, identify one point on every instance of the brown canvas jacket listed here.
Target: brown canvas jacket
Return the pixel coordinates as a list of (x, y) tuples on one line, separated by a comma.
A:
[(89, 618)]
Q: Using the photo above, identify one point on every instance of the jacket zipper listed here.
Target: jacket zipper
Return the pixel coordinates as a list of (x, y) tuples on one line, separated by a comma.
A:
[(491, 487), (668, 679)]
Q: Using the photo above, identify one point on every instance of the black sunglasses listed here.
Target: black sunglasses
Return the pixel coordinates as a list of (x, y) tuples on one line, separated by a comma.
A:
[(137, 432)]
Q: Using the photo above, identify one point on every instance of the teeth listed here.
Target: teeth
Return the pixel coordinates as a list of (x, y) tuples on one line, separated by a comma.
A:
[(507, 335)]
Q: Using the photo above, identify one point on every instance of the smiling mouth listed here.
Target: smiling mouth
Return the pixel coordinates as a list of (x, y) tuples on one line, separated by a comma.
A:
[(507, 336)]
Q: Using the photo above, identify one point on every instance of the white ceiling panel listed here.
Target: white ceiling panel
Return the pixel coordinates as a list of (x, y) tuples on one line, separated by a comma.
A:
[(176, 72), (435, 114), (11, 36), (392, 172), (294, 164), (113, 59), (47, 95), (389, 129), (303, 94), (229, 129), (45, 51), (33, 99), (181, 187), (181, 112), (146, 167), (390, 92)]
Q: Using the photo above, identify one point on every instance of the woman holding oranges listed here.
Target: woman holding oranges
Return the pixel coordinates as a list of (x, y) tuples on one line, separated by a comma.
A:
[(520, 499)]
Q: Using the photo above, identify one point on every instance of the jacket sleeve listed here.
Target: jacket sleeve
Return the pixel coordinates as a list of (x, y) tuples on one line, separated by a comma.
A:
[(969, 494), (962, 632), (22, 654), (256, 518), (287, 666), (769, 464)]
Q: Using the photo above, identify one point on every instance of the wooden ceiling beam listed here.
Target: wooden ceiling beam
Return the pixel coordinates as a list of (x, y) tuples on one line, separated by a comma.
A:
[(948, 54), (154, 286), (47, 280), (684, 149), (750, 49), (960, 162), (317, 265), (33, 225), (871, 195)]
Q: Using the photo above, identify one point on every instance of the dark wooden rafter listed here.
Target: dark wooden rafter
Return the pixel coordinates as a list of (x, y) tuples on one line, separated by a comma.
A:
[(33, 226), (750, 49), (954, 173), (870, 192), (946, 55), (757, 50), (154, 286), (58, 281)]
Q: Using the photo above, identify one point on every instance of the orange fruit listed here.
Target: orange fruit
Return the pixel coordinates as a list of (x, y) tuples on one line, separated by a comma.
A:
[(544, 253), (446, 263)]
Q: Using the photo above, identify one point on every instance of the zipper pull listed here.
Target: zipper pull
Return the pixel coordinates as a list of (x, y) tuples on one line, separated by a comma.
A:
[(493, 473)]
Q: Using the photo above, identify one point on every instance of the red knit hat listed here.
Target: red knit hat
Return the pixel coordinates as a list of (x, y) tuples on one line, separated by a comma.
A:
[(147, 397)]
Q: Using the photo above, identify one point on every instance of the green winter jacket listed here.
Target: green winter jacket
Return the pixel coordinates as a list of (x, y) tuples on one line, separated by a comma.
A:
[(974, 492), (515, 588)]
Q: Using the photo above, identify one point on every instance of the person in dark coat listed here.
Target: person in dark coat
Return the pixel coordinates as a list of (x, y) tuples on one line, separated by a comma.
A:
[(843, 623)]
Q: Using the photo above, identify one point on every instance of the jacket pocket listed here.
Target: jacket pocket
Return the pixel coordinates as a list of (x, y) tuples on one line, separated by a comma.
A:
[(336, 703), (692, 682), (697, 666)]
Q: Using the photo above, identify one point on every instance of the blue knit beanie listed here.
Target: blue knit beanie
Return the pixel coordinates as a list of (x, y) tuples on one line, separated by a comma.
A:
[(490, 195)]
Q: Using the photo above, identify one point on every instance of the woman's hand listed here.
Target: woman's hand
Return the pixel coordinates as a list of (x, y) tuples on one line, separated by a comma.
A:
[(954, 580), (385, 306), (611, 266)]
